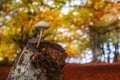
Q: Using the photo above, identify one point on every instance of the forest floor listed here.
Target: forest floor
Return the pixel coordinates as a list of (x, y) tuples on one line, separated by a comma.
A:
[(89, 71), (92, 71)]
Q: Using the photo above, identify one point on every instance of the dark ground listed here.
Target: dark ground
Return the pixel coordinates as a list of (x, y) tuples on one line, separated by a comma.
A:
[(91, 71)]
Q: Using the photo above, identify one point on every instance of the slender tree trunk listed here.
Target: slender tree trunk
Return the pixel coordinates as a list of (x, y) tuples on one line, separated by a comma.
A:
[(94, 41), (116, 52), (109, 52), (103, 51)]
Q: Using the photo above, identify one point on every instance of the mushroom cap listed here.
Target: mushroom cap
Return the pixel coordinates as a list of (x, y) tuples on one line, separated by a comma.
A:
[(42, 25)]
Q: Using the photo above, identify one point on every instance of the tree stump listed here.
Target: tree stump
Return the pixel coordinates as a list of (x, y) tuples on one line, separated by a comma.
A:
[(45, 62)]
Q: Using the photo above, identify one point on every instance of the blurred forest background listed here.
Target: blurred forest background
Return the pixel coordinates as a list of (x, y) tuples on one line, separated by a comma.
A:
[(87, 29)]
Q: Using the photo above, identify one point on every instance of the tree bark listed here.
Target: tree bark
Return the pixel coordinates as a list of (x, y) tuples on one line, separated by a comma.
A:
[(45, 62)]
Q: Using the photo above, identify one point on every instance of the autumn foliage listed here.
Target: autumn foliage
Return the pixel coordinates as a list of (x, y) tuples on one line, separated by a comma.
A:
[(90, 71)]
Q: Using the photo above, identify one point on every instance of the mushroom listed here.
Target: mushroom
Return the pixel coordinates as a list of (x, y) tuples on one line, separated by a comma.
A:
[(41, 25)]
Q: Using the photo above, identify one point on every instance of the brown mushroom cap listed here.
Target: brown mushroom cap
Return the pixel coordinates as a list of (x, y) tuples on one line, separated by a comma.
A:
[(42, 25)]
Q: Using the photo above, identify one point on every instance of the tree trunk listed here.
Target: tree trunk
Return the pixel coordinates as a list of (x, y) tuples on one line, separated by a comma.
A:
[(94, 40), (43, 63), (116, 53)]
